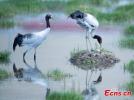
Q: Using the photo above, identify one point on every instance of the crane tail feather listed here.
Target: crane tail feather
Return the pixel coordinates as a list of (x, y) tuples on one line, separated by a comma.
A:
[(17, 41)]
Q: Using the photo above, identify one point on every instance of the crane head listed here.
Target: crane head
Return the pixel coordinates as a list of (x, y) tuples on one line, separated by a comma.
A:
[(77, 14)]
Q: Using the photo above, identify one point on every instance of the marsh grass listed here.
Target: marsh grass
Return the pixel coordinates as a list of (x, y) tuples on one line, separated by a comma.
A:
[(3, 74), (6, 23), (58, 75), (129, 30), (64, 96), (27, 6), (7, 10), (74, 51), (4, 57), (127, 8), (130, 86), (130, 66), (121, 14), (99, 2), (127, 42)]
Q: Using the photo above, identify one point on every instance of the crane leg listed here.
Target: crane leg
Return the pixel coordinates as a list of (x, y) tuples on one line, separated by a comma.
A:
[(90, 77), (87, 79), (24, 54), (91, 34), (88, 40)]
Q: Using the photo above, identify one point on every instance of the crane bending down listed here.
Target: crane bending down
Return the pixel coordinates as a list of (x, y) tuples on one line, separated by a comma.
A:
[(89, 23), (91, 92), (32, 40)]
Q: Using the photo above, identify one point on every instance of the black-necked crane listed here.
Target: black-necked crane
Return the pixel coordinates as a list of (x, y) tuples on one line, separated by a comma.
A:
[(32, 40), (31, 75), (89, 23), (91, 92)]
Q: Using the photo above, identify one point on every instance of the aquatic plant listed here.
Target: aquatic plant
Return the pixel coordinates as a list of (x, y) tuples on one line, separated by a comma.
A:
[(3, 74), (129, 30), (27, 6), (58, 75), (64, 96), (130, 66), (4, 57), (121, 14), (7, 9), (130, 86), (99, 2), (126, 8), (85, 6), (6, 23), (127, 42)]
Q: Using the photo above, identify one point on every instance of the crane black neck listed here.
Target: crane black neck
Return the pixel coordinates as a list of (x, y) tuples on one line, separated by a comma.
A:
[(47, 23)]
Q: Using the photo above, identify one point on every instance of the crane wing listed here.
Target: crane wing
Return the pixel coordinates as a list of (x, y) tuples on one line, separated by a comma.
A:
[(30, 38)]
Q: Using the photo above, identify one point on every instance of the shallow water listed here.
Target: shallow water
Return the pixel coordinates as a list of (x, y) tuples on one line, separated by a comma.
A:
[(54, 53)]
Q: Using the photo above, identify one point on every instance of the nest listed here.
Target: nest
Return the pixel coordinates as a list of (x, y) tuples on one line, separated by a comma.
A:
[(93, 59)]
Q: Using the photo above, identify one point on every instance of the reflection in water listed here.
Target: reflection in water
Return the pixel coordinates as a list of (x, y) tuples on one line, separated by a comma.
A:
[(99, 79), (91, 93), (32, 75)]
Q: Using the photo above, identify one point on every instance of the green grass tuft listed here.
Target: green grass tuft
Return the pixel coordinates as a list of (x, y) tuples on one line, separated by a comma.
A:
[(58, 75), (64, 96), (99, 2), (4, 57), (129, 30), (130, 86), (3, 74), (127, 42), (6, 23), (130, 66)]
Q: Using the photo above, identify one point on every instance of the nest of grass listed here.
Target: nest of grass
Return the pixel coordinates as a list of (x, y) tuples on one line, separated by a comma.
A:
[(93, 59)]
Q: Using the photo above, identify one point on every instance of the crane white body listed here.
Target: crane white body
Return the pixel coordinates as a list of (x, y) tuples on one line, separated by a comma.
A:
[(36, 38), (32, 40), (89, 23)]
